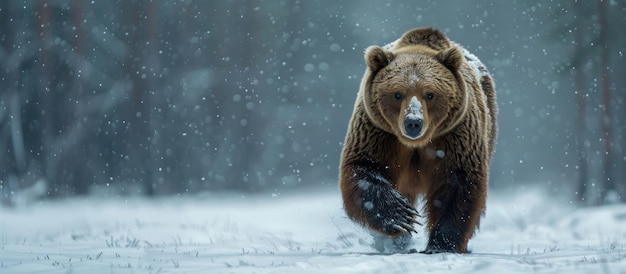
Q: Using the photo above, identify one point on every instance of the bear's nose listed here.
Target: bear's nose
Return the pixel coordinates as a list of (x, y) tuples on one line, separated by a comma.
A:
[(413, 127)]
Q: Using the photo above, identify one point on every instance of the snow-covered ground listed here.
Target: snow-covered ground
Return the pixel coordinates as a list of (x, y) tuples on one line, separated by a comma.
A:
[(307, 232)]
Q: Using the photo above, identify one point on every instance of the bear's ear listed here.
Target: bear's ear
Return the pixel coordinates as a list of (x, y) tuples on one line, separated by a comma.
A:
[(428, 36), (377, 58), (451, 58)]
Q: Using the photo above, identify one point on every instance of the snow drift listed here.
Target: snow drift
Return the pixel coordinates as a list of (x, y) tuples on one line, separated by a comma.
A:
[(296, 233)]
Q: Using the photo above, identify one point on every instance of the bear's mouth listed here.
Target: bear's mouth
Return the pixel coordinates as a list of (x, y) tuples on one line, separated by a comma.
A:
[(413, 136)]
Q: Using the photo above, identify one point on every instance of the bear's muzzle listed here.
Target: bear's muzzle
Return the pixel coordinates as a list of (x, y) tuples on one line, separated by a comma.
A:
[(413, 119)]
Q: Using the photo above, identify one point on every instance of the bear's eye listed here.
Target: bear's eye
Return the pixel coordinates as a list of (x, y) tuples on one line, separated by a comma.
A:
[(430, 96), (397, 95)]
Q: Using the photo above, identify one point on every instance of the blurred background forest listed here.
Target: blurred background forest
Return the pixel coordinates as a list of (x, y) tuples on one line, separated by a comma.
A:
[(165, 97)]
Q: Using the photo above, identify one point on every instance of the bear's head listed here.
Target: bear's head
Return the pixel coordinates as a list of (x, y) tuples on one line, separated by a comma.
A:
[(413, 88)]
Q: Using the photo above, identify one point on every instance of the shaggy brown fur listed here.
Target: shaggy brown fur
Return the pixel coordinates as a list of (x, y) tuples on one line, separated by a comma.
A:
[(424, 123)]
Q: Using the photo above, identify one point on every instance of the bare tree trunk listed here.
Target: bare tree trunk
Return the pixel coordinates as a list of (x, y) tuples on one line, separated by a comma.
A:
[(152, 60), (609, 182), (135, 169), (46, 97), (141, 23), (78, 16), (583, 172), (82, 176)]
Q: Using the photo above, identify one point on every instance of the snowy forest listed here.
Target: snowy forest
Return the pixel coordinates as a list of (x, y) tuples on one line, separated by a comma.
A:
[(170, 97), (187, 136)]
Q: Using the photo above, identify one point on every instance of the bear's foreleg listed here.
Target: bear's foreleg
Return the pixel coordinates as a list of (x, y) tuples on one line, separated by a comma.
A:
[(454, 209), (370, 199)]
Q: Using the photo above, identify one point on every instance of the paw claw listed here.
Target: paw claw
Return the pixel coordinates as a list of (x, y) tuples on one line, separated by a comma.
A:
[(409, 228), (414, 221), (400, 228)]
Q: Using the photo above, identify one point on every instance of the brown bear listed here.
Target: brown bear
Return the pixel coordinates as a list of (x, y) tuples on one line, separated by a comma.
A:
[(423, 125)]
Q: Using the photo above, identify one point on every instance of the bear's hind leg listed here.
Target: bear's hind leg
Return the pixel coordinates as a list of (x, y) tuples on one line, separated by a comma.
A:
[(453, 209)]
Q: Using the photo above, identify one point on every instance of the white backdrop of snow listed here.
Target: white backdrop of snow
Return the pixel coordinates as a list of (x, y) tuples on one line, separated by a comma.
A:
[(296, 233)]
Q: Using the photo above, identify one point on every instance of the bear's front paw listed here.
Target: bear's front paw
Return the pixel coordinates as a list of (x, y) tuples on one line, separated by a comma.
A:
[(388, 212)]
